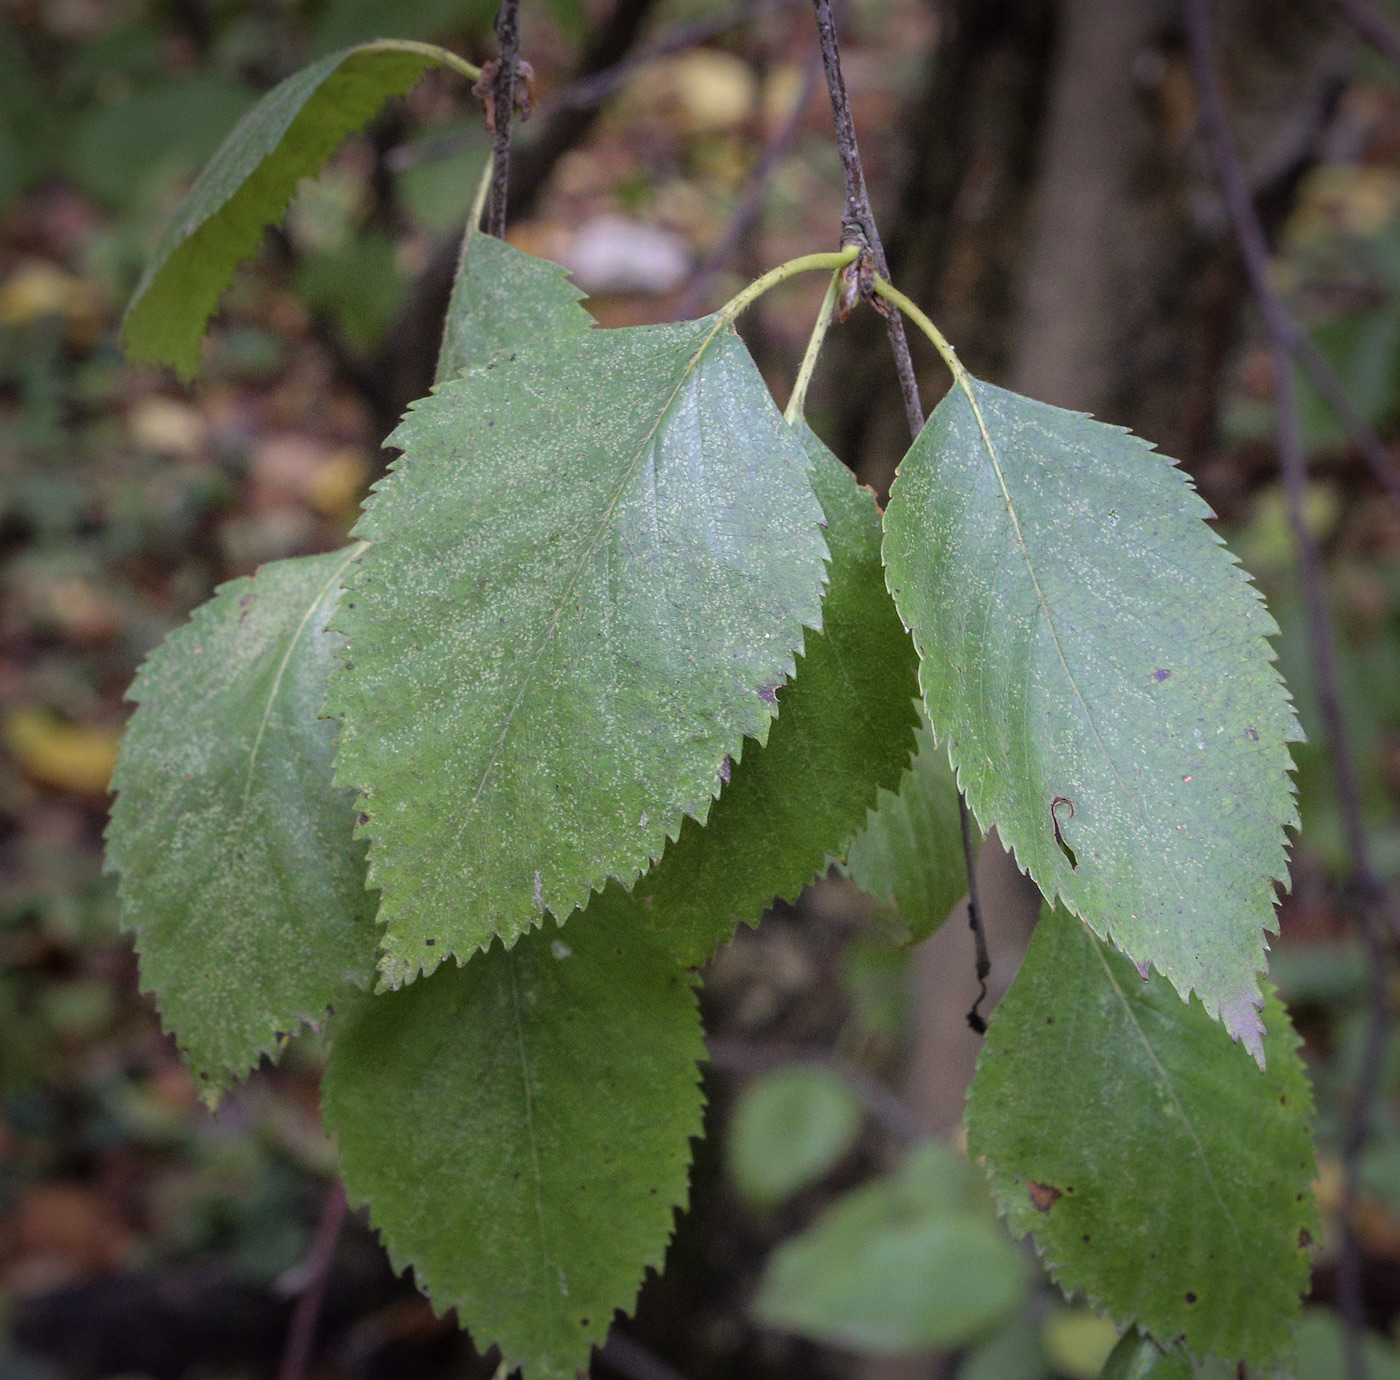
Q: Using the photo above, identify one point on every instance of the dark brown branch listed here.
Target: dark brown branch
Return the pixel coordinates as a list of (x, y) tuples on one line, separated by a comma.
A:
[(568, 126), (975, 1019), (858, 225), (1373, 909), (746, 213), (313, 1272), (589, 92), (502, 110), (1374, 26), (633, 1361), (858, 220), (1249, 230)]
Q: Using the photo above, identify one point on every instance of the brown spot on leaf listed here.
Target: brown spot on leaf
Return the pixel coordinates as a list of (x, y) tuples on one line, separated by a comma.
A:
[(1044, 1196), (1305, 1238)]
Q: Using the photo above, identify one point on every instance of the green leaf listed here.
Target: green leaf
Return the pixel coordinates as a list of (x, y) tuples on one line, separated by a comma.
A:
[(502, 299), (520, 1131), (239, 871), (844, 729), (1138, 1357), (1015, 1352), (1162, 1173), (790, 1127), (1098, 666), (591, 569), (904, 1264), (910, 853), (1320, 1352), (246, 186)]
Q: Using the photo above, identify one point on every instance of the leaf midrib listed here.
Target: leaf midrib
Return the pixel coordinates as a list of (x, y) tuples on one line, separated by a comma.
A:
[(356, 551), (1165, 1079), (629, 472), (965, 382)]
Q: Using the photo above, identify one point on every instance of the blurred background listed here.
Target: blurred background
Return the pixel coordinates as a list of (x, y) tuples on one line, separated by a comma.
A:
[(1043, 190)]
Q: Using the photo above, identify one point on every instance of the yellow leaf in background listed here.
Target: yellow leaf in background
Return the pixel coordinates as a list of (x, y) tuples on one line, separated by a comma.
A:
[(1078, 1342), (166, 427), (338, 483), (715, 90), (70, 757), (38, 288), (708, 90)]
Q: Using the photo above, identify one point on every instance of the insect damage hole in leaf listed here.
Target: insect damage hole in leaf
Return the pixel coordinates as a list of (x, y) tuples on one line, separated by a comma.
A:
[(595, 556)]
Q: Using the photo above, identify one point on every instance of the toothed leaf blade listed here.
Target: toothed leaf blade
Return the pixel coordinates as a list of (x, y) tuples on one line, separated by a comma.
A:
[(520, 1131), (1097, 664), (592, 568), (289, 134), (239, 871), (1162, 1174), (502, 298), (845, 728), (910, 854)]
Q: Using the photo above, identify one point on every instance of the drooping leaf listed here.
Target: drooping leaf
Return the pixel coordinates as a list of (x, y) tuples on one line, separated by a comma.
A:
[(247, 185), (502, 298), (591, 570), (910, 853), (844, 728), (907, 1263), (790, 1127), (1162, 1174), (520, 1131), (240, 874), (1098, 666)]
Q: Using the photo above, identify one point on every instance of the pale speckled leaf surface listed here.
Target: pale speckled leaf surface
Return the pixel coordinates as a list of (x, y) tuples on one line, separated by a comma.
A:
[(1097, 664), (844, 728), (502, 298), (520, 1130), (240, 874), (910, 855), (247, 185), (1182, 1169), (591, 571)]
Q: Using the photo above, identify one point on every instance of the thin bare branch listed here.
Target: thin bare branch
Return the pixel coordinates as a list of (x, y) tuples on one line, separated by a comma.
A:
[(975, 1018), (858, 220), (502, 109), (858, 225), (1373, 909), (1374, 26), (632, 1360), (311, 1279)]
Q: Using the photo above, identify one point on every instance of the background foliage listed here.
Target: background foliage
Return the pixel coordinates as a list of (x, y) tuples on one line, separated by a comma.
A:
[(140, 1236)]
